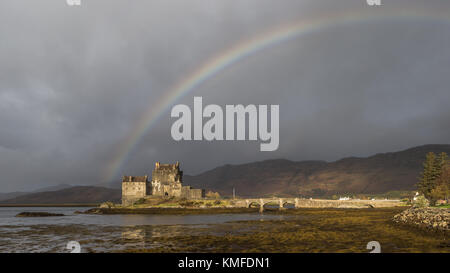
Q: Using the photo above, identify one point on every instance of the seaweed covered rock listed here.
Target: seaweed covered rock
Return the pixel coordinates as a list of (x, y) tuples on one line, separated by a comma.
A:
[(427, 218), (38, 214)]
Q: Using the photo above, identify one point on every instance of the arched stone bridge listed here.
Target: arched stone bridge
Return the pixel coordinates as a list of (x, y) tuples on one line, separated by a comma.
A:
[(314, 203), (261, 202)]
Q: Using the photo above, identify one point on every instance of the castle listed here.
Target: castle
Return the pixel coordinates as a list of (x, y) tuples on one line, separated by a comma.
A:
[(166, 181)]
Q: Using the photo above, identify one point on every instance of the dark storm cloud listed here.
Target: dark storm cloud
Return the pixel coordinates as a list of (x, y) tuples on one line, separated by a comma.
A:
[(74, 81)]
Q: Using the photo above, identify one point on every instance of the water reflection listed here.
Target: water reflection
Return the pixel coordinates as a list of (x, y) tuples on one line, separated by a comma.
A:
[(7, 218), (105, 233), (133, 234), (144, 236)]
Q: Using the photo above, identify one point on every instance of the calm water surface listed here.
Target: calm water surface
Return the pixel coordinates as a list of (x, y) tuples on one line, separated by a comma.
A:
[(99, 232)]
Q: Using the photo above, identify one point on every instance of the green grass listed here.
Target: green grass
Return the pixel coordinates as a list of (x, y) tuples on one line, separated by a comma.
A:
[(447, 206)]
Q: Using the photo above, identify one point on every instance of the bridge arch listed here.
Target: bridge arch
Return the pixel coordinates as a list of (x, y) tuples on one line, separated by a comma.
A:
[(274, 202), (253, 204), (288, 204)]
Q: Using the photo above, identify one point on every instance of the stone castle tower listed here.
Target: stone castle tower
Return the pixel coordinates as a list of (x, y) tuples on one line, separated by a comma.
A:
[(166, 182), (167, 179)]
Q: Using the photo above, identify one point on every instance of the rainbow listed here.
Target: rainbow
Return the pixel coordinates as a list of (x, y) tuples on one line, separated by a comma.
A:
[(238, 52)]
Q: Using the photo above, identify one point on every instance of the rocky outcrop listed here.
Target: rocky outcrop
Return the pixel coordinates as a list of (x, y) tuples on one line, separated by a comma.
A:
[(38, 214), (425, 218)]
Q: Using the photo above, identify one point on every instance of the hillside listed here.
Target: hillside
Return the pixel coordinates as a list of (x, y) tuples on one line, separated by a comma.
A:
[(379, 173), (54, 188), (10, 195), (78, 194), (375, 174)]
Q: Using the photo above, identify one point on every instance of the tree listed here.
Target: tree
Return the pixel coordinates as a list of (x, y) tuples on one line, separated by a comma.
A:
[(213, 195), (442, 185), (439, 164), (428, 175), (434, 181), (421, 202)]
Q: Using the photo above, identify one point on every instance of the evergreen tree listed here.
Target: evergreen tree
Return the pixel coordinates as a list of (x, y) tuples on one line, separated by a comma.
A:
[(440, 163), (442, 188), (428, 175)]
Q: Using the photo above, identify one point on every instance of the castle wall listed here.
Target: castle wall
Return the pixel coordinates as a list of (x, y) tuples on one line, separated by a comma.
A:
[(170, 189), (196, 194), (189, 193), (133, 191), (164, 177)]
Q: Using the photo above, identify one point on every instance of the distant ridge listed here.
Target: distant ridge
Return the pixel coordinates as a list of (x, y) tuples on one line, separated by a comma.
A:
[(72, 195), (54, 188), (10, 195), (379, 173)]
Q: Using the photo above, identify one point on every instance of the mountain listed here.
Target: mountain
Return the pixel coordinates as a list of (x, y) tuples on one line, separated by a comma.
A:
[(379, 173), (10, 195), (111, 185), (72, 195), (54, 188)]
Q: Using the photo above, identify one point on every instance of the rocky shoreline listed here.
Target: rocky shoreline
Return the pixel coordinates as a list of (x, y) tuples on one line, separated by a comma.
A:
[(436, 219), (180, 211)]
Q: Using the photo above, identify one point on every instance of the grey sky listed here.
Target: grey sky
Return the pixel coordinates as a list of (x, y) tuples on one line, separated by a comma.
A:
[(74, 81)]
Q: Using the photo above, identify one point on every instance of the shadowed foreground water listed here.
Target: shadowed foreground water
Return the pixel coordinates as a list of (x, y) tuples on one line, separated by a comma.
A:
[(99, 232), (293, 230)]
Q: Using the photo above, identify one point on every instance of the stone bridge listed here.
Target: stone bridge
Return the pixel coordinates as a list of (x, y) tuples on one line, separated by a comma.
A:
[(315, 203)]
